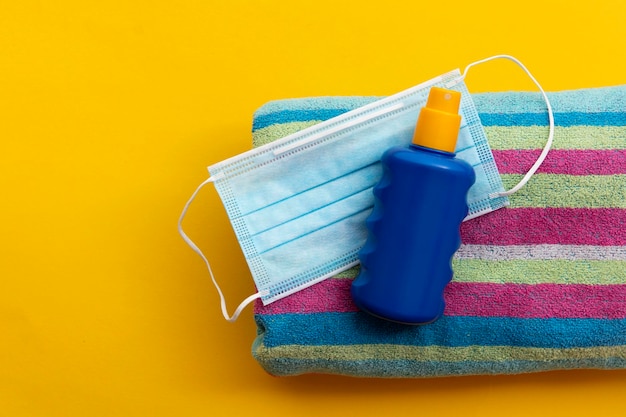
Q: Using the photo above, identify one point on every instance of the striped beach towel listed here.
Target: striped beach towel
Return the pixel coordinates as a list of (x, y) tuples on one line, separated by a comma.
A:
[(538, 286)]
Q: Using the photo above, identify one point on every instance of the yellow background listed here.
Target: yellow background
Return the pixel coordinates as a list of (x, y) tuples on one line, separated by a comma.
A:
[(110, 112)]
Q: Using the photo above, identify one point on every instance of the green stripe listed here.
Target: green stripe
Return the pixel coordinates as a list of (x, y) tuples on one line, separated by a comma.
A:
[(500, 137), (271, 133), (555, 271), (349, 273), (434, 353), (536, 271), (574, 137), (573, 191)]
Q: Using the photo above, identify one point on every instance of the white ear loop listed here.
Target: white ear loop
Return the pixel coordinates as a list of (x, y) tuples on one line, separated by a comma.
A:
[(196, 249), (548, 144)]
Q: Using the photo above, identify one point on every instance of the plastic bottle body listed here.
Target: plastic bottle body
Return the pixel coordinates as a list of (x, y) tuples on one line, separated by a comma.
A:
[(413, 234)]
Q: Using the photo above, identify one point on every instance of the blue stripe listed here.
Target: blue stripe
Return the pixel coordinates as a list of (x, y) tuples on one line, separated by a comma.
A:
[(289, 116), (411, 368), (560, 119), (315, 103), (487, 119), (359, 328)]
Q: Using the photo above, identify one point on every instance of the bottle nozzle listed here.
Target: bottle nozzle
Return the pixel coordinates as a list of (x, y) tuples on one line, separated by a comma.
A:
[(439, 122)]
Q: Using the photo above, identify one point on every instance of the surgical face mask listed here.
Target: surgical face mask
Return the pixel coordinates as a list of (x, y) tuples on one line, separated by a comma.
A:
[(298, 205)]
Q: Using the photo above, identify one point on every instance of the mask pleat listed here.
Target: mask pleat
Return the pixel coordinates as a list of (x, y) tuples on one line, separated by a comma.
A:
[(324, 196)]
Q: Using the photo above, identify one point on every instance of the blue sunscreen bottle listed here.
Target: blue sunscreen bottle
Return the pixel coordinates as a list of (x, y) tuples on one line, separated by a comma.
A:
[(420, 203)]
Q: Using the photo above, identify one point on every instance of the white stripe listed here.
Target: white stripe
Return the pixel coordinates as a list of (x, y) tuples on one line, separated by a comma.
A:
[(542, 252)]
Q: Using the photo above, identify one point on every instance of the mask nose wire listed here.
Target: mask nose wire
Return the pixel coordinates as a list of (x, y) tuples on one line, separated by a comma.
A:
[(196, 249), (548, 144)]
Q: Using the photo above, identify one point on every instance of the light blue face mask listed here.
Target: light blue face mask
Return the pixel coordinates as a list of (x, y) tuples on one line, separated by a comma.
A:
[(298, 205)]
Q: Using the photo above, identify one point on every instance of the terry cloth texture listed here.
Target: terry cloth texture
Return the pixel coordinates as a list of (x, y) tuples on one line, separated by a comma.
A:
[(538, 286)]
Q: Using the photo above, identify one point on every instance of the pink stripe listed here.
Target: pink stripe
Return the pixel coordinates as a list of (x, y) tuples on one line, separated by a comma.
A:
[(331, 295), (566, 226), (563, 161), (476, 299), (536, 301)]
